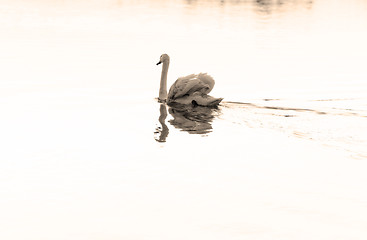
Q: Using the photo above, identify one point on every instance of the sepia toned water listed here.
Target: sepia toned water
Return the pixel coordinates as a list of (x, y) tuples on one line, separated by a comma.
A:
[(87, 152)]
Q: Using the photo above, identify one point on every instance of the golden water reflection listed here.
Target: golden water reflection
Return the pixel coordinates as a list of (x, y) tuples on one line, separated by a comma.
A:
[(259, 6)]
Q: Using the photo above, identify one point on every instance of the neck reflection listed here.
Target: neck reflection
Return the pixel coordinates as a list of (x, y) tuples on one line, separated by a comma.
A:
[(162, 131)]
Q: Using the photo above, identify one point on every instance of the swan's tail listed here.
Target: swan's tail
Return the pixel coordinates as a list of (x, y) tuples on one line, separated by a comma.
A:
[(205, 100), (197, 99)]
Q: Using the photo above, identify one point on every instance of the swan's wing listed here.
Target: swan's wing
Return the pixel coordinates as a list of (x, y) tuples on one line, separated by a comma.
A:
[(206, 79), (179, 87), (202, 83), (188, 77)]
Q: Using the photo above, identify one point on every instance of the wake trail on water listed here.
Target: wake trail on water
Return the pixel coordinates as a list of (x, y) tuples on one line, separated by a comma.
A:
[(339, 123)]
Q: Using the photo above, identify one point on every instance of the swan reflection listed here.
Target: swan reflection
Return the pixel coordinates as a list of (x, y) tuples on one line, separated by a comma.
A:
[(189, 118), (193, 119)]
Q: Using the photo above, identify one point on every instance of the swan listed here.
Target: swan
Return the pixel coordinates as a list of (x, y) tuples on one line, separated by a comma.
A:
[(192, 89)]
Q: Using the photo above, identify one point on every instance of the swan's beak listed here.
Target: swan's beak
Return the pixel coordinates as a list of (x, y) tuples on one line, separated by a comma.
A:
[(159, 63)]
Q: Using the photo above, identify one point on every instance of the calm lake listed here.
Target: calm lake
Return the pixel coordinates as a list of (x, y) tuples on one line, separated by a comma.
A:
[(87, 152)]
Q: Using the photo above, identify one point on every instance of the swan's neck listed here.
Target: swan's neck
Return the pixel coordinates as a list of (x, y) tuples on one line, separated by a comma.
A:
[(163, 86)]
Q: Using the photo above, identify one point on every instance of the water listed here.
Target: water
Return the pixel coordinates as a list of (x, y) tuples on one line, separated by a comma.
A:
[(88, 152)]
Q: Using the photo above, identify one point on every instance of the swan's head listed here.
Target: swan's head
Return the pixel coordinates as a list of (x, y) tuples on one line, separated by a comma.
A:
[(164, 58)]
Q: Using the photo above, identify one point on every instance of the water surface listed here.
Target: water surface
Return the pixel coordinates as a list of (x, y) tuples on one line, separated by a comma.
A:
[(88, 152)]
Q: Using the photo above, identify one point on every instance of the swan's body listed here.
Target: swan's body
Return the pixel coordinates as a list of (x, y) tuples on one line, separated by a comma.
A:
[(192, 89)]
